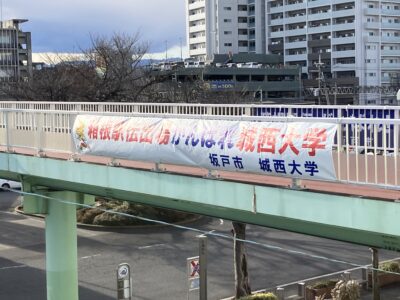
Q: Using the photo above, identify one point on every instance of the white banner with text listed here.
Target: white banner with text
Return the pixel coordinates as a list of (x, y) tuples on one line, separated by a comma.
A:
[(298, 150)]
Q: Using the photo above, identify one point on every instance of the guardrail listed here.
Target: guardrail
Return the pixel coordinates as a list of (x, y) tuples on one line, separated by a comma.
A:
[(366, 151)]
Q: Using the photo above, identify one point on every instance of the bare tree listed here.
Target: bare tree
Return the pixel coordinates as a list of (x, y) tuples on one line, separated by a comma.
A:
[(117, 63), (110, 70)]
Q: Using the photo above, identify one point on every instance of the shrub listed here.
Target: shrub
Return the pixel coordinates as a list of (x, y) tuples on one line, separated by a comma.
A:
[(346, 290), (97, 216), (390, 267), (324, 284), (260, 296)]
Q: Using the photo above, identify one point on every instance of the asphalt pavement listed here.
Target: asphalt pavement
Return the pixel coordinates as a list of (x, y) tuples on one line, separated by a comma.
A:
[(158, 258)]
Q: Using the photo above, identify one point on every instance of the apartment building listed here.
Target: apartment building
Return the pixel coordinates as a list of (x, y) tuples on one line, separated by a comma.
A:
[(225, 26), (357, 42), (336, 42), (15, 51)]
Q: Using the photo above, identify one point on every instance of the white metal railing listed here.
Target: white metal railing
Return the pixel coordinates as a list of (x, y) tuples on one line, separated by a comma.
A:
[(366, 151), (298, 289), (332, 111)]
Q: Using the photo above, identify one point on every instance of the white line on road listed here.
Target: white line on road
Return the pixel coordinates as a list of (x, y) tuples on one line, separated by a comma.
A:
[(90, 256), (151, 246), (14, 267)]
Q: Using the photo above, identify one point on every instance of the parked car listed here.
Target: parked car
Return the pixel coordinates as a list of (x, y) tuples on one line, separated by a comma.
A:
[(9, 184)]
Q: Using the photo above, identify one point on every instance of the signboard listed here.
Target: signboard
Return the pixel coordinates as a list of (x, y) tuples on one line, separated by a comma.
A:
[(193, 273), (297, 150), (222, 85), (124, 284)]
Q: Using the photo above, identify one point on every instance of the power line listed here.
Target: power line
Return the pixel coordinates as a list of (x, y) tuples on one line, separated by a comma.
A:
[(204, 232)]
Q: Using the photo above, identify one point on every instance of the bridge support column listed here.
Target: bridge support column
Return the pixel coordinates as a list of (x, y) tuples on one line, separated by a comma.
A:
[(61, 247)]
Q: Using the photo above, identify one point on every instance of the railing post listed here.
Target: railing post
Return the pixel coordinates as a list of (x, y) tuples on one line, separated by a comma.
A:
[(364, 278), (39, 133), (280, 293), (301, 289), (8, 134)]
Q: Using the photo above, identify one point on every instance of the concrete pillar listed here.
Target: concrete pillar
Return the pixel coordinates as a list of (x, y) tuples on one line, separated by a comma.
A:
[(61, 248)]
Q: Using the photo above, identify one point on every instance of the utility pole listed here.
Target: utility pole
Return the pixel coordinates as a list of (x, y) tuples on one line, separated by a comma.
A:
[(319, 65), (180, 42), (166, 51), (335, 95)]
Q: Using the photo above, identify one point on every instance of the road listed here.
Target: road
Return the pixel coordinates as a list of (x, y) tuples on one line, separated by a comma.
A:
[(158, 258)]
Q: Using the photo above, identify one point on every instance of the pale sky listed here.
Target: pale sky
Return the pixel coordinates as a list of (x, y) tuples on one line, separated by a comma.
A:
[(66, 25)]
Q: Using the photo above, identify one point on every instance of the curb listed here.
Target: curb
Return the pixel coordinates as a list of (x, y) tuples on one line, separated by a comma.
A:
[(18, 210)]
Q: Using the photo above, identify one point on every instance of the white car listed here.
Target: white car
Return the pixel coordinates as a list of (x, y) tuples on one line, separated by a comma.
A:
[(9, 184)]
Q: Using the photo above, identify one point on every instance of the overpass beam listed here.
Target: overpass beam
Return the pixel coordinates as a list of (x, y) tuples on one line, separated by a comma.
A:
[(61, 247)]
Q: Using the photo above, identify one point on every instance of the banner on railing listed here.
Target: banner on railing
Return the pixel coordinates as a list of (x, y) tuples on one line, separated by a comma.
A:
[(298, 150)]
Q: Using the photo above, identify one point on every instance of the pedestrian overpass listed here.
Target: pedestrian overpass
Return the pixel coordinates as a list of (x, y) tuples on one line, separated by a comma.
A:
[(361, 205)]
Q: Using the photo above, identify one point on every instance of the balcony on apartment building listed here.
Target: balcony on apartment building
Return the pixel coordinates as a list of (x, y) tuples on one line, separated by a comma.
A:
[(372, 25), (387, 25), (197, 16), (324, 54), (296, 18), (390, 39), (316, 3), (197, 28), (322, 42), (196, 4), (343, 53), (197, 40), (296, 44), (296, 57), (343, 40), (390, 52), (390, 12), (319, 15), (343, 13), (277, 21), (390, 66), (296, 5)]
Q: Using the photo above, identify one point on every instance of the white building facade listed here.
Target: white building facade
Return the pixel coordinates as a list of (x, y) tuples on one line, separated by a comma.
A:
[(354, 38), (225, 26)]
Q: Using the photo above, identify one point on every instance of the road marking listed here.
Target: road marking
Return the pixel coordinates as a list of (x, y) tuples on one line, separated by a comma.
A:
[(151, 246), (5, 247), (90, 256), (14, 267), (31, 222)]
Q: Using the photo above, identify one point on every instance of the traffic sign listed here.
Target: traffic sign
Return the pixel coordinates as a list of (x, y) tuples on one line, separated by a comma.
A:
[(193, 273), (194, 268), (124, 282)]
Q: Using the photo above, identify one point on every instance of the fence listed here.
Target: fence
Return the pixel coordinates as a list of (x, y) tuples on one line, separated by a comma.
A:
[(373, 163), (333, 111), (306, 289)]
